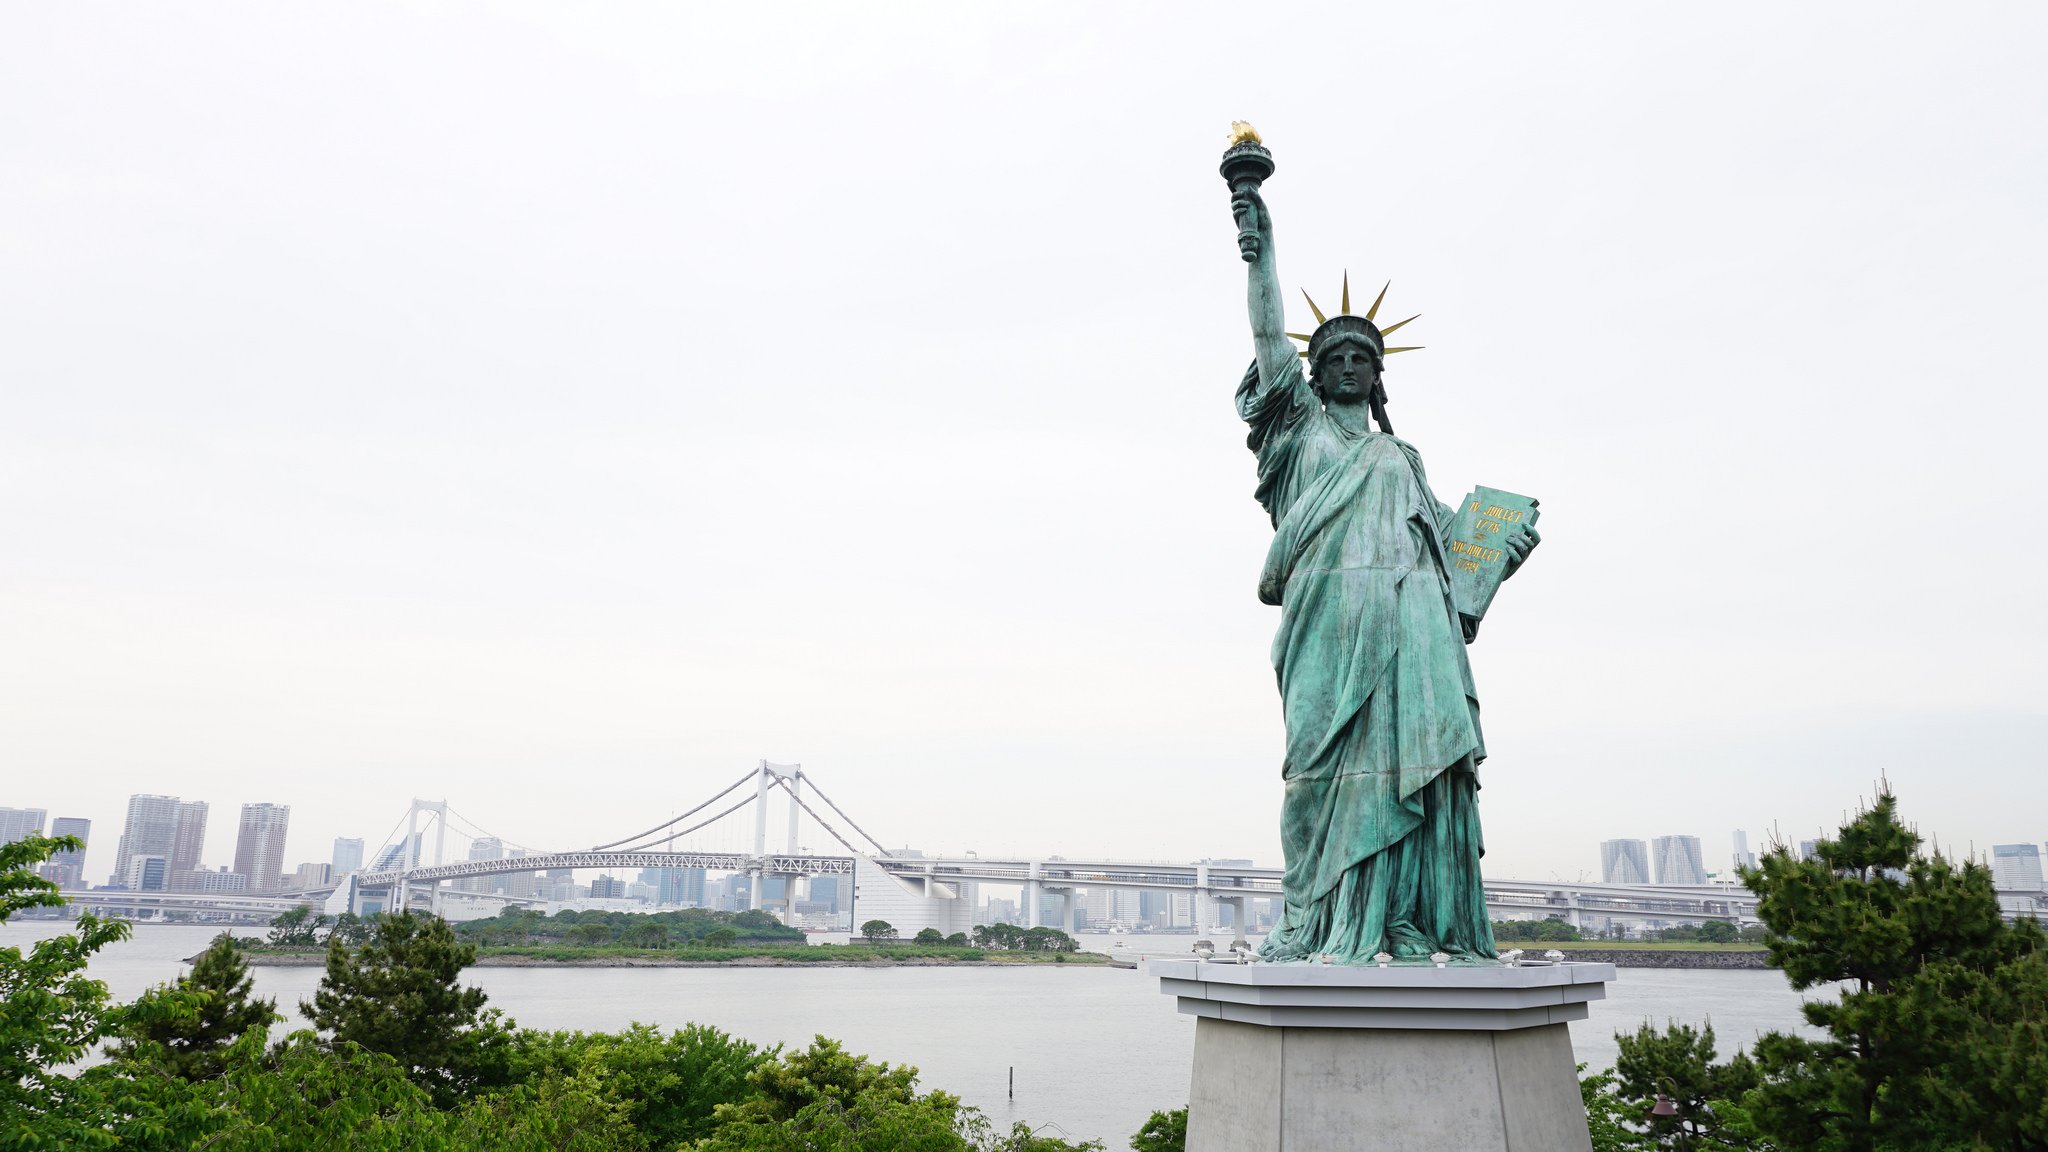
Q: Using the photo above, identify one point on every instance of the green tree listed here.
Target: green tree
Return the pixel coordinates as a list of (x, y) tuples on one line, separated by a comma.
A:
[(296, 928), (352, 930), (877, 931), (1717, 932), (1940, 1039), (1678, 1062), (646, 934), (721, 937), (52, 1014), (1044, 939), (928, 936), (399, 994), (824, 1097), (957, 940), (1163, 1132), (667, 1087), (192, 1045)]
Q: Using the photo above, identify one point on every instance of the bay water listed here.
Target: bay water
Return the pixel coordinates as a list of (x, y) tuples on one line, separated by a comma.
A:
[(1091, 1050)]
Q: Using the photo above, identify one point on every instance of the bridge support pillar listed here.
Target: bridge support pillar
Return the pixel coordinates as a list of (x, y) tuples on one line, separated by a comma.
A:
[(1032, 896), (1067, 903), (1237, 904), (755, 878)]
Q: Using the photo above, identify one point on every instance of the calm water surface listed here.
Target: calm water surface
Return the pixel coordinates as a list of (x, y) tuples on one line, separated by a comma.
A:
[(1095, 1049)]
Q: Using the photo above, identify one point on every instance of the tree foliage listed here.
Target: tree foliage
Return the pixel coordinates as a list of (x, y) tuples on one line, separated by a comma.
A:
[(1679, 1063), (825, 1099), (1941, 1037), (1163, 1132), (1544, 931), (681, 928), (877, 931), (400, 994), (296, 928), (1011, 938), (191, 1044)]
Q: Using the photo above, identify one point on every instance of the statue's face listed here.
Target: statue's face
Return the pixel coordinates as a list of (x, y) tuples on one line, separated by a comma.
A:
[(1347, 371)]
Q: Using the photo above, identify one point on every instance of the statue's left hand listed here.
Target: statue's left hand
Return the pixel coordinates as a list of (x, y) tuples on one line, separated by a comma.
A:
[(1519, 545)]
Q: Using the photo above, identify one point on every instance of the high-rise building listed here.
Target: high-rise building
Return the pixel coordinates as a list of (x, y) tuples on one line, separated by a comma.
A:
[(1807, 848), (147, 872), (607, 888), (1624, 862), (393, 856), (487, 848), (1677, 860), (21, 823), (202, 880), (683, 887), (314, 875), (348, 855), (2016, 866), (151, 830), (188, 840), (66, 869), (259, 848), (1744, 858), (824, 890)]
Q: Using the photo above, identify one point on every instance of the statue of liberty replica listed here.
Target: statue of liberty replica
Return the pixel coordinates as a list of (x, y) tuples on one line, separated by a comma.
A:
[(1380, 588)]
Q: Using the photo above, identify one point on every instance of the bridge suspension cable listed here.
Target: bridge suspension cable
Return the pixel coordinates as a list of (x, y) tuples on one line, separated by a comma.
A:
[(821, 820), (685, 816), (684, 832), (842, 816)]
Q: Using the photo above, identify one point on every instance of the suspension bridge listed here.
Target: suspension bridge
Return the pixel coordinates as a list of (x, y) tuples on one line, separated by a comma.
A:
[(729, 833)]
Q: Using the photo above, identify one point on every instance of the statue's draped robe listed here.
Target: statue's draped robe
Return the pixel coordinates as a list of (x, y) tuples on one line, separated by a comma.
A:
[(1380, 822)]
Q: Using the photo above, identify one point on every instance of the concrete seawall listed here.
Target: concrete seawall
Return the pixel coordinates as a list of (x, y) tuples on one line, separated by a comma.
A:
[(1662, 958)]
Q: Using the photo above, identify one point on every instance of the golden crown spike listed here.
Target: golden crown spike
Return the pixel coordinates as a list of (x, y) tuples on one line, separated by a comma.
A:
[(1371, 314)]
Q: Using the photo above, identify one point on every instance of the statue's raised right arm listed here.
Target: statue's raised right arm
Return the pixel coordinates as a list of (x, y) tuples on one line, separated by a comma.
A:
[(1269, 325)]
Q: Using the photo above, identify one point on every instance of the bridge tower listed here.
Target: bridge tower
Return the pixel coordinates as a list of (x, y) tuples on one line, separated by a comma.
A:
[(409, 855), (791, 778)]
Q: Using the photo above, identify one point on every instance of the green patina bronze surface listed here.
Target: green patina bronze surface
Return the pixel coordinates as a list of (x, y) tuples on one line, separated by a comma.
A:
[(1380, 821)]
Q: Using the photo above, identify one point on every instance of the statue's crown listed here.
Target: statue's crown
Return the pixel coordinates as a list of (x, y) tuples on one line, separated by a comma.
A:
[(1344, 321)]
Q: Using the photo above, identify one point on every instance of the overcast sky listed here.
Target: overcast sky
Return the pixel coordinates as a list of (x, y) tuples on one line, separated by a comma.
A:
[(558, 409)]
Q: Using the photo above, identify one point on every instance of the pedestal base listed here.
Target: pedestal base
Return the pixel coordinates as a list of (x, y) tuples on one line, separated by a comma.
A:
[(1320, 1059)]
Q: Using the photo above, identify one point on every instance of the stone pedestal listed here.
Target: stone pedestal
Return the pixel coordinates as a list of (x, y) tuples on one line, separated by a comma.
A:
[(1322, 1058)]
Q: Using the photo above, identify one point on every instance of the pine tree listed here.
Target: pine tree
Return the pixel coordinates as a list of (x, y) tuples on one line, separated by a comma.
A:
[(399, 994), (191, 1045), (1940, 1038)]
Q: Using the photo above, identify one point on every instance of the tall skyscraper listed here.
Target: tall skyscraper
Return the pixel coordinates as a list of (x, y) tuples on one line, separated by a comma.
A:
[(21, 823), (259, 848), (1677, 860), (188, 842), (151, 830), (348, 855), (1807, 848), (1744, 858), (67, 868), (2016, 866), (683, 886), (1624, 862)]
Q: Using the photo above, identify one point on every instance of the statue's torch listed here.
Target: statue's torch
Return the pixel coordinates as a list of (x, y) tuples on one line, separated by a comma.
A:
[(1246, 166)]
